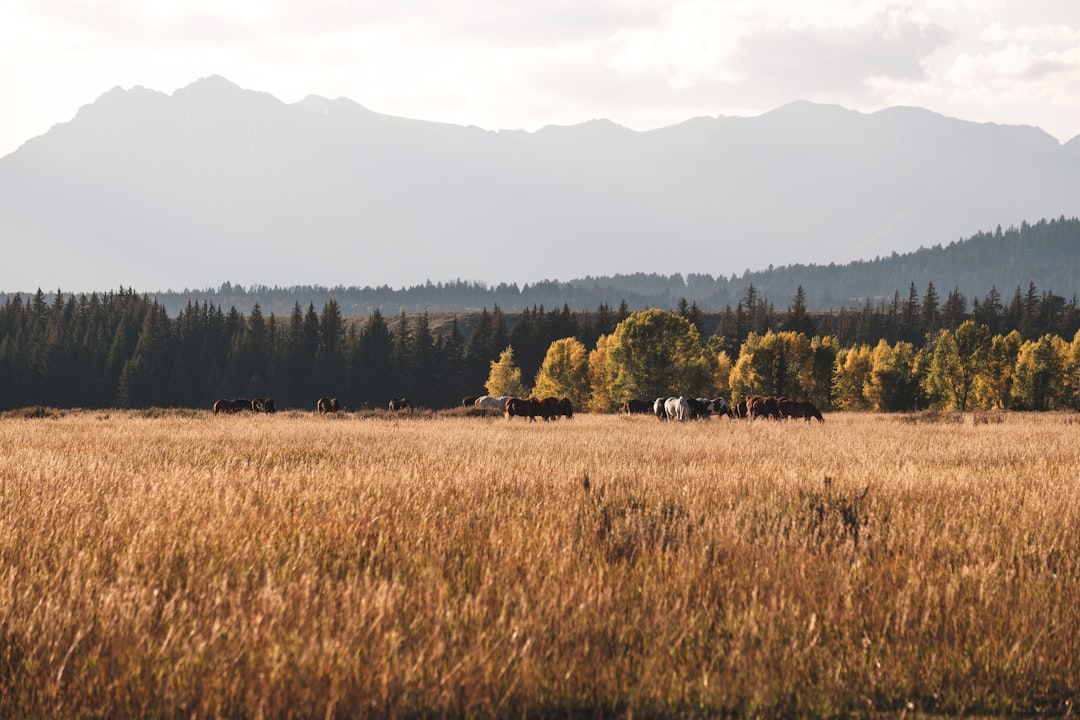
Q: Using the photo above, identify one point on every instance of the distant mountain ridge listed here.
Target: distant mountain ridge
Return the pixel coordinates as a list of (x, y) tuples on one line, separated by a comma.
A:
[(1045, 254), (215, 183)]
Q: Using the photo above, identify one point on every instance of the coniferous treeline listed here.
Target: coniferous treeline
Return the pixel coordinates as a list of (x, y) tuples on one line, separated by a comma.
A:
[(1048, 251), (122, 349)]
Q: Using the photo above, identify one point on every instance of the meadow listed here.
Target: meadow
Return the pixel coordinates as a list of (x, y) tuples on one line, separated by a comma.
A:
[(176, 563)]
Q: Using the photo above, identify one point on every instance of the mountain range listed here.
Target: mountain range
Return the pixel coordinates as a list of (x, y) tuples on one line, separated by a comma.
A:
[(215, 183)]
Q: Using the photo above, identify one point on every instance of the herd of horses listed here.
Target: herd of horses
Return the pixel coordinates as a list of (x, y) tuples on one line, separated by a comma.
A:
[(678, 409), (266, 405), (235, 405), (549, 408), (755, 406)]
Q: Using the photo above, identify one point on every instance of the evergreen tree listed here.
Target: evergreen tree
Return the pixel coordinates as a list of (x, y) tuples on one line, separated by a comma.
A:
[(990, 310), (297, 355), (328, 367), (929, 314), (143, 379), (479, 350), (1029, 314), (372, 365), (401, 359), (424, 376), (910, 325), (796, 319), (451, 363), (954, 310), (529, 338)]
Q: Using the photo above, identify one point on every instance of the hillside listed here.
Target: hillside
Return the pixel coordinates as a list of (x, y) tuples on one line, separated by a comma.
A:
[(215, 183), (1046, 253)]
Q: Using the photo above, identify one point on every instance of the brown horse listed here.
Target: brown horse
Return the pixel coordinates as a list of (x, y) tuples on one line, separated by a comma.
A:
[(328, 405), (522, 407), (638, 407), (232, 406), (765, 407), (549, 408), (806, 410), (263, 405), (566, 408), (400, 404)]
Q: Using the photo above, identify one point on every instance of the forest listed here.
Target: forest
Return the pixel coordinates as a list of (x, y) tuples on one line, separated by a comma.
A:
[(122, 349), (1047, 252)]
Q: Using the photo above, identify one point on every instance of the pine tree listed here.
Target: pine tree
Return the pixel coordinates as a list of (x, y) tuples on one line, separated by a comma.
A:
[(423, 386), (954, 310), (143, 379), (929, 315), (371, 371), (797, 319)]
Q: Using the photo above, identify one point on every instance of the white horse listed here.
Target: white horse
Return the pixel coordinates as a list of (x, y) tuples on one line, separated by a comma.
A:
[(677, 408), (491, 403)]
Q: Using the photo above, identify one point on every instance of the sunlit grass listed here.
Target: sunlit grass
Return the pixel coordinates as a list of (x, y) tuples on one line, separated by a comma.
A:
[(168, 564)]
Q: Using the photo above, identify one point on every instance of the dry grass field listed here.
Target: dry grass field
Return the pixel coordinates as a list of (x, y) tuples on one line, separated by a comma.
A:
[(181, 564)]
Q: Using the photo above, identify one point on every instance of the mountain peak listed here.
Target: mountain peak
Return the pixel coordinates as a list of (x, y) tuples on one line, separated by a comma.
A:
[(212, 83), (327, 192)]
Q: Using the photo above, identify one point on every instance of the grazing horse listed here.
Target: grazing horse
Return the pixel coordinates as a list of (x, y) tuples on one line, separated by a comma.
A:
[(566, 408), (677, 409), (400, 404), (468, 400), (263, 405), (232, 406), (658, 408), (549, 408), (698, 408), (492, 403), (522, 407), (806, 410), (328, 405), (765, 407), (637, 407), (718, 406)]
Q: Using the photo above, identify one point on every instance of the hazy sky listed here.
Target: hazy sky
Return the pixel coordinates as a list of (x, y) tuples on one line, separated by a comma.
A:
[(525, 64)]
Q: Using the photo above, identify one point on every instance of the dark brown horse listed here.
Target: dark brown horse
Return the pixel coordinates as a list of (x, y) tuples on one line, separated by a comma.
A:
[(522, 407), (765, 407), (566, 408), (263, 405), (549, 408), (806, 410), (638, 407), (400, 404), (232, 406), (328, 405)]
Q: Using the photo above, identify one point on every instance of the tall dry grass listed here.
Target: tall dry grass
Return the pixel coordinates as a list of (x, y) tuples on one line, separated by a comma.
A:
[(303, 566)]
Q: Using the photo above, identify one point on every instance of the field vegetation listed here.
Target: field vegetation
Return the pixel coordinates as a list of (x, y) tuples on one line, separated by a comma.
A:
[(177, 563)]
